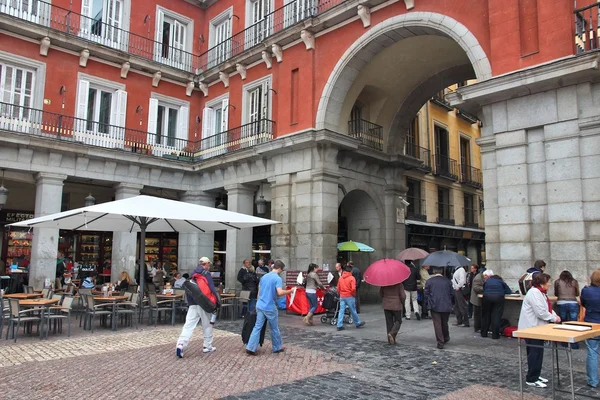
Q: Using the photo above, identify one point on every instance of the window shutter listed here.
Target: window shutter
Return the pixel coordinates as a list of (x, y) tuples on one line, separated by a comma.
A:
[(121, 108), (208, 122), (158, 35), (225, 116), (86, 12), (82, 104), (152, 116), (183, 122)]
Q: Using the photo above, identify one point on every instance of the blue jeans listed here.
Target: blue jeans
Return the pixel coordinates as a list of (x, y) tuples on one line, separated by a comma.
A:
[(351, 303), (262, 317), (312, 301), (568, 312), (591, 362)]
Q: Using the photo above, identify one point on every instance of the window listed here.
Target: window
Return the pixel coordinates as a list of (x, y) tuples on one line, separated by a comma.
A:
[(445, 208), (465, 159), (416, 207), (168, 120), (298, 10), (23, 9), (444, 165), (220, 38), (102, 22), (101, 108), (257, 111), (470, 211), (259, 20), (173, 39), (16, 88), (214, 125), (412, 138)]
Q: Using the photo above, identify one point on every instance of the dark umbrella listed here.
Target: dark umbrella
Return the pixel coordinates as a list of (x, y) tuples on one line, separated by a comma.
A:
[(446, 258)]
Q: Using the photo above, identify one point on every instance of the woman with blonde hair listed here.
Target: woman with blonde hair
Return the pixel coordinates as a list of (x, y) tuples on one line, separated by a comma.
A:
[(124, 282), (590, 299)]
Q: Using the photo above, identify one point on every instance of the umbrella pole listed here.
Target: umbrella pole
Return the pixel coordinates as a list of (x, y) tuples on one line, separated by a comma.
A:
[(143, 226)]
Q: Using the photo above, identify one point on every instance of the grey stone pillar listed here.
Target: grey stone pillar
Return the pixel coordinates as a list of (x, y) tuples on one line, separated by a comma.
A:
[(48, 200), (395, 228), (240, 198), (281, 210), (124, 250), (316, 225), (192, 246)]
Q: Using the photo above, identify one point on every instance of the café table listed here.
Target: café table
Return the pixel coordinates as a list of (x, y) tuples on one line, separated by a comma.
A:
[(23, 296), (174, 298), (41, 303), (234, 301), (114, 300)]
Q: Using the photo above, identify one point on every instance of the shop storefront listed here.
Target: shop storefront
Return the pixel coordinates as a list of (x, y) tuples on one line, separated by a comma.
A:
[(16, 242), (161, 247), (89, 250)]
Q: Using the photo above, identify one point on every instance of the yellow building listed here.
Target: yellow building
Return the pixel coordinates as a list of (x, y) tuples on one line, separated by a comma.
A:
[(445, 194)]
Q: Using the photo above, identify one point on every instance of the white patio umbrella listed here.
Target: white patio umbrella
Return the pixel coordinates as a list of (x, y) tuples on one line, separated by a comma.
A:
[(146, 214)]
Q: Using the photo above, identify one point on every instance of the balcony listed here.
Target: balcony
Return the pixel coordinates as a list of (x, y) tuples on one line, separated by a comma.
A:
[(445, 214), (471, 218), (70, 129), (370, 134), (54, 18), (416, 209), (445, 167), (281, 19), (440, 101), (241, 137), (420, 153), (587, 29), (471, 176)]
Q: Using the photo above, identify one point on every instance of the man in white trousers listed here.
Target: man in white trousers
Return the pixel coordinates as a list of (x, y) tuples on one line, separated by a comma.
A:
[(196, 313)]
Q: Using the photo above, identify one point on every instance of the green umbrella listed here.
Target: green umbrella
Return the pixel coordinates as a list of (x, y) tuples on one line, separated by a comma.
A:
[(355, 246)]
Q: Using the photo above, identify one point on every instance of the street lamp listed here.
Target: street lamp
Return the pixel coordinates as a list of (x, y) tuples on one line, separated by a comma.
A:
[(90, 200), (3, 192), (261, 204), (221, 205)]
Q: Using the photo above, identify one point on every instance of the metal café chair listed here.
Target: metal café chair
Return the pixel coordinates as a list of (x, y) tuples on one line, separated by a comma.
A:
[(17, 316), (95, 310), (58, 313)]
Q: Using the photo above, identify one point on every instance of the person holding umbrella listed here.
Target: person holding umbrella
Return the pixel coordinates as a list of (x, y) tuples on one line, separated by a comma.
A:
[(439, 295)]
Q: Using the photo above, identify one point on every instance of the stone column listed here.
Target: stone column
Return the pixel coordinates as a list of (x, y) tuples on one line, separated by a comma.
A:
[(124, 249), (395, 228), (240, 198), (281, 210), (48, 200), (192, 246)]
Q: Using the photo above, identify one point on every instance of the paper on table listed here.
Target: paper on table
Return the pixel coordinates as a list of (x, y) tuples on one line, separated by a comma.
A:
[(579, 328), (329, 277)]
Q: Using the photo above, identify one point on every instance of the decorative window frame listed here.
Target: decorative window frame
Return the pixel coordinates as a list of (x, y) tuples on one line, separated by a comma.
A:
[(247, 88), (212, 26), (39, 69), (189, 22)]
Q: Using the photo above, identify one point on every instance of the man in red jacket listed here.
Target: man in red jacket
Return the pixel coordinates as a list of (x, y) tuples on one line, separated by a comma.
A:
[(347, 290)]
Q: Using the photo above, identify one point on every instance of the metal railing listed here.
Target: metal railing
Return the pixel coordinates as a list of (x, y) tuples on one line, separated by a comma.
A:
[(471, 176), (445, 214), (241, 137), (416, 209), (95, 30), (471, 218), (445, 167), (277, 21), (370, 134), (587, 30), (420, 153)]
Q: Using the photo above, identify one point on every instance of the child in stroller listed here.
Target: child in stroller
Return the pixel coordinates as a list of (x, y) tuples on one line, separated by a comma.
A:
[(331, 302)]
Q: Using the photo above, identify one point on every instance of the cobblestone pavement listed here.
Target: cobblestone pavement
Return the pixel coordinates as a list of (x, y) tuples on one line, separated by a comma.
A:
[(319, 363)]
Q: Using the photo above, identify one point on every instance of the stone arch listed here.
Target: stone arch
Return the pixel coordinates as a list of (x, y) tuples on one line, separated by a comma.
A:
[(383, 35)]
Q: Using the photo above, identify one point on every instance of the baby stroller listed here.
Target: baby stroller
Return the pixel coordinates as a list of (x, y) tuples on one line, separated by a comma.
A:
[(331, 302)]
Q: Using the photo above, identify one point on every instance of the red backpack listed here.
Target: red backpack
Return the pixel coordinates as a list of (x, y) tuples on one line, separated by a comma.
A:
[(204, 287)]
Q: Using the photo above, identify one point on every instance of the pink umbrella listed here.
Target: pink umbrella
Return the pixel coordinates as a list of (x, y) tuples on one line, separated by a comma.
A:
[(386, 272), (412, 253)]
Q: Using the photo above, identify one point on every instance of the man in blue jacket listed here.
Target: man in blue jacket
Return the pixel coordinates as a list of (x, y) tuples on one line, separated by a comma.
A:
[(439, 296)]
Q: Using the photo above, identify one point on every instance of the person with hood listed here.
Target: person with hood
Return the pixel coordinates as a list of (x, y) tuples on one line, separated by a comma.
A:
[(439, 295), (347, 291), (410, 288), (195, 313), (536, 311), (538, 266)]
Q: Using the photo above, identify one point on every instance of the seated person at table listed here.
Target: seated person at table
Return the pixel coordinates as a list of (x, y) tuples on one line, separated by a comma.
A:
[(89, 282), (178, 281), (124, 282)]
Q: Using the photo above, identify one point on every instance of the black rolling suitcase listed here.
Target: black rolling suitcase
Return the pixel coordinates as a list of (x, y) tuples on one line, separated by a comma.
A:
[(249, 322)]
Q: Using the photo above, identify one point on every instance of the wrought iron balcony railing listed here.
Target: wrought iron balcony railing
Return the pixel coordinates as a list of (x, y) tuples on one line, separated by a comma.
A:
[(98, 31), (70, 129), (416, 209), (587, 29), (445, 214), (241, 137), (445, 167), (471, 176), (420, 153), (277, 21), (368, 133), (471, 218)]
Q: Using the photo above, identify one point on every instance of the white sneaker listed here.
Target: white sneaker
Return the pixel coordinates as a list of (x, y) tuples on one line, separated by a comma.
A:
[(408, 317), (538, 384), (209, 349), (543, 380)]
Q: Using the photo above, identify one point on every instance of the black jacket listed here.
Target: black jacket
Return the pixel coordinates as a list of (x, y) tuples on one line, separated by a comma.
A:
[(357, 275), (439, 294), (410, 284), (249, 281)]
